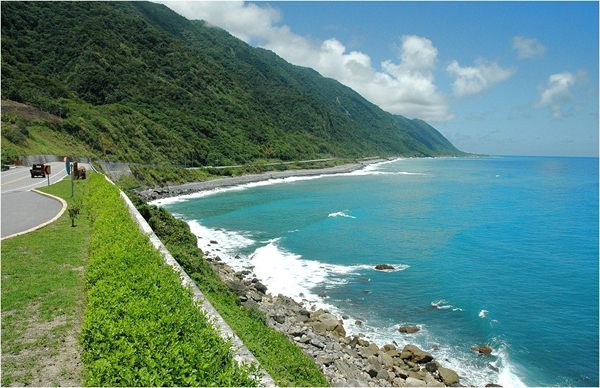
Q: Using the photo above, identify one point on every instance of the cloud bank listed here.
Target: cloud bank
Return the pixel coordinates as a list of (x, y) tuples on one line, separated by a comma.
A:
[(528, 47), (557, 94), (475, 80)]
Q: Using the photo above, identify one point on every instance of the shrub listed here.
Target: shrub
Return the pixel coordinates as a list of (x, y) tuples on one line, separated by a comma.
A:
[(141, 327)]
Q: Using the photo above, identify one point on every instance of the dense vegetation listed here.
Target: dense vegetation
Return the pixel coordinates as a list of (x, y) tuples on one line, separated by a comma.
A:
[(284, 361), (137, 82), (141, 327)]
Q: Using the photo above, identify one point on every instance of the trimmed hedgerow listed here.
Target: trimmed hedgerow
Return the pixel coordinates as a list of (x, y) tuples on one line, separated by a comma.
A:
[(282, 359), (141, 327)]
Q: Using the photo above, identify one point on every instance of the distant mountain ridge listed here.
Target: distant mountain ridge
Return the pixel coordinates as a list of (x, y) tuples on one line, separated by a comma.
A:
[(137, 82)]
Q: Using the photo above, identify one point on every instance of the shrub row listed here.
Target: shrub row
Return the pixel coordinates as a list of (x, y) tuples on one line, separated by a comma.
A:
[(282, 359), (141, 327)]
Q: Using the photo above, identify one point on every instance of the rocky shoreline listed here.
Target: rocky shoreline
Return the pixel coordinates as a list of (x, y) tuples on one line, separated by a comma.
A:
[(346, 361), (189, 188)]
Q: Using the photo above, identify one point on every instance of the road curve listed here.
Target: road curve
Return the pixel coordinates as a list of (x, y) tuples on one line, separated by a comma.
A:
[(23, 209)]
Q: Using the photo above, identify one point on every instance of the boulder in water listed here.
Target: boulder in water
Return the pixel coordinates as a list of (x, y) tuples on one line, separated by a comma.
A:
[(409, 329), (383, 266)]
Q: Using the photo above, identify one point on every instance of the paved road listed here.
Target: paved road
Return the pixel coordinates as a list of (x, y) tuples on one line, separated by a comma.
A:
[(23, 209)]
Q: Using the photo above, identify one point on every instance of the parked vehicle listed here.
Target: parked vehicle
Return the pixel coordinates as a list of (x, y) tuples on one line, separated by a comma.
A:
[(38, 171)]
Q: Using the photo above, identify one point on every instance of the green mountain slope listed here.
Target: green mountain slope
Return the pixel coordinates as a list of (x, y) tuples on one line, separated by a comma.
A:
[(137, 82)]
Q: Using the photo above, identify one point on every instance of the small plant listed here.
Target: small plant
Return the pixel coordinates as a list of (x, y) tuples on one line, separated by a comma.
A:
[(73, 211)]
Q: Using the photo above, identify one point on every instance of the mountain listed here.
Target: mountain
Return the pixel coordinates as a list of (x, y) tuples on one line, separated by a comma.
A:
[(137, 82)]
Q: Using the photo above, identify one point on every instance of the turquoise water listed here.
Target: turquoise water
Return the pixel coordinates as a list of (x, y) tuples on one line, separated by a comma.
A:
[(496, 251)]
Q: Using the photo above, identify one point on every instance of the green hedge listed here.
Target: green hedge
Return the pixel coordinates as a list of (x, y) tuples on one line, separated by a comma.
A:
[(282, 359), (141, 326)]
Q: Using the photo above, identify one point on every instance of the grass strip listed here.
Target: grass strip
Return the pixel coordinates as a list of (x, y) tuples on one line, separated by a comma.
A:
[(43, 299), (282, 359), (141, 326)]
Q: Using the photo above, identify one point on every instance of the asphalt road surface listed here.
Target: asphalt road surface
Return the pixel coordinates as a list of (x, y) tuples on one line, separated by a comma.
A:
[(23, 209)]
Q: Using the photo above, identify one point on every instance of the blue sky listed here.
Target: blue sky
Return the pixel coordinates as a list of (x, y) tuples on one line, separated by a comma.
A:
[(501, 78)]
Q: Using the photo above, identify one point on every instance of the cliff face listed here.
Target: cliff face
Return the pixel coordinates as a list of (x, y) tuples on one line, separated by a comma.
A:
[(137, 82)]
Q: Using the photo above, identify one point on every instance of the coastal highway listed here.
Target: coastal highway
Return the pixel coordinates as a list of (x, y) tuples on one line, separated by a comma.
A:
[(23, 209)]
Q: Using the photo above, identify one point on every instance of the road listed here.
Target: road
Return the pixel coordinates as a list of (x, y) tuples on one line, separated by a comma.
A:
[(23, 209)]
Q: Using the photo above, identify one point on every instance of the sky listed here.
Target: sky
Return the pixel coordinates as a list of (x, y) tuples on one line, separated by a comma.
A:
[(497, 78)]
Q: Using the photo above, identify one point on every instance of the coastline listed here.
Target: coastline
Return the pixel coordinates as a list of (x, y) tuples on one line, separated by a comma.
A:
[(345, 360), (194, 187)]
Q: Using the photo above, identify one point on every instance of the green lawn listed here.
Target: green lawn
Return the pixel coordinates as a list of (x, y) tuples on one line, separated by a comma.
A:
[(43, 299)]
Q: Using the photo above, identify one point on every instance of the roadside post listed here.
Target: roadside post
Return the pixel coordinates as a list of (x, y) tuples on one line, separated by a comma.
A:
[(68, 168), (47, 172)]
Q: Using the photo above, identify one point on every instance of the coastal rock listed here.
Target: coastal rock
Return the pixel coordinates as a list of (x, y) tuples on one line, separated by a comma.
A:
[(431, 367), (388, 347), (393, 353), (409, 329), (237, 286), (374, 349), (485, 350), (493, 385), (448, 376), (412, 382), (414, 354), (385, 360), (381, 267), (435, 384), (260, 287)]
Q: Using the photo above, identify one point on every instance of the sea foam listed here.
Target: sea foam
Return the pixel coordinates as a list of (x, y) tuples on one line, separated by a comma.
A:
[(340, 214)]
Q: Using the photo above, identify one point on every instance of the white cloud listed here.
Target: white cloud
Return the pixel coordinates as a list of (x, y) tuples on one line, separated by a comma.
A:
[(557, 94), (405, 88), (474, 80), (527, 47)]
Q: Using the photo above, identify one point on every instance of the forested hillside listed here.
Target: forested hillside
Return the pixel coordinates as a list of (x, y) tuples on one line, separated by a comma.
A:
[(137, 82)]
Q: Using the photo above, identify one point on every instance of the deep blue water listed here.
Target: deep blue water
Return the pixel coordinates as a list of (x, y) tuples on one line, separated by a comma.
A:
[(496, 251)]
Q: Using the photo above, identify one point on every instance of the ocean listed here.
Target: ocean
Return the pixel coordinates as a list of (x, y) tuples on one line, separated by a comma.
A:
[(498, 251)]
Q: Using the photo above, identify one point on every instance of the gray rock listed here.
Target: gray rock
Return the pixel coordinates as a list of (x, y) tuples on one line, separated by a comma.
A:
[(324, 359), (388, 347), (431, 367), (398, 382), (237, 286), (260, 287), (317, 327), (371, 370), (374, 348), (385, 360), (414, 354), (393, 353), (435, 384), (448, 376), (384, 375), (256, 297), (412, 382), (409, 329)]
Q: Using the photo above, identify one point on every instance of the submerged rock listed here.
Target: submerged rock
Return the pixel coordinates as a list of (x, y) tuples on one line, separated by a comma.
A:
[(409, 329)]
